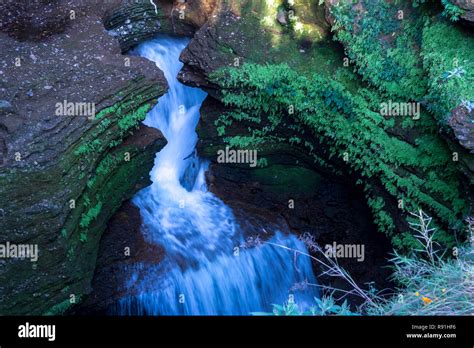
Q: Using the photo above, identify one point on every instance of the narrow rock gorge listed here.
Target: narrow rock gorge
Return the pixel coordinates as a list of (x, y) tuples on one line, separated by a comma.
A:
[(303, 83)]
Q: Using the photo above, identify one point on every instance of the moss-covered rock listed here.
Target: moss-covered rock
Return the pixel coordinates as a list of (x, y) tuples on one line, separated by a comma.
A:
[(446, 54), (390, 168), (63, 175), (132, 23), (403, 163), (224, 41)]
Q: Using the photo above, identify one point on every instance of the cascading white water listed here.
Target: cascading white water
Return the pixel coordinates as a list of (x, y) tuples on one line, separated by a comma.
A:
[(205, 272)]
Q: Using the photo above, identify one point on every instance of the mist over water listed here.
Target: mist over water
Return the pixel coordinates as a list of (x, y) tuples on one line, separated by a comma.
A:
[(205, 270)]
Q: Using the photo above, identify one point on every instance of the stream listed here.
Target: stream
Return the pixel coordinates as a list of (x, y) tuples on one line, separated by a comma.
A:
[(208, 269)]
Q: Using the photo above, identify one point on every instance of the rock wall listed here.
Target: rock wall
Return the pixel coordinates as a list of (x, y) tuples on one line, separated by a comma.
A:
[(63, 175), (135, 22)]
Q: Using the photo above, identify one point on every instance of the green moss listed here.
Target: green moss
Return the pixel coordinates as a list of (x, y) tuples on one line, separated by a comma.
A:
[(62, 307), (287, 179), (80, 175), (350, 125), (107, 111), (90, 215), (308, 50), (447, 57), (88, 148), (134, 118), (83, 237), (383, 44), (128, 115)]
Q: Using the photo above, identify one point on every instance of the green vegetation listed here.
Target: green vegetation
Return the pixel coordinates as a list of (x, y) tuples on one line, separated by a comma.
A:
[(323, 306), (90, 215), (452, 11), (403, 52), (303, 43), (273, 98), (383, 45), (105, 166), (88, 148), (406, 53), (134, 118), (126, 115), (430, 282), (447, 57), (62, 307), (449, 10), (113, 124)]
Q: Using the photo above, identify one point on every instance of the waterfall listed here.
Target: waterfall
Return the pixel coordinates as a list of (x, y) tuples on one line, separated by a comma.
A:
[(205, 271)]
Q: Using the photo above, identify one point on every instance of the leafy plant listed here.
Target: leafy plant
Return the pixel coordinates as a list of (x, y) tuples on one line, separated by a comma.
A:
[(323, 306), (349, 126), (452, 11)]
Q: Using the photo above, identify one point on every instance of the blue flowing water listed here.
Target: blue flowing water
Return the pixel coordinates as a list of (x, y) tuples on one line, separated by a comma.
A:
[(208, 269)]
